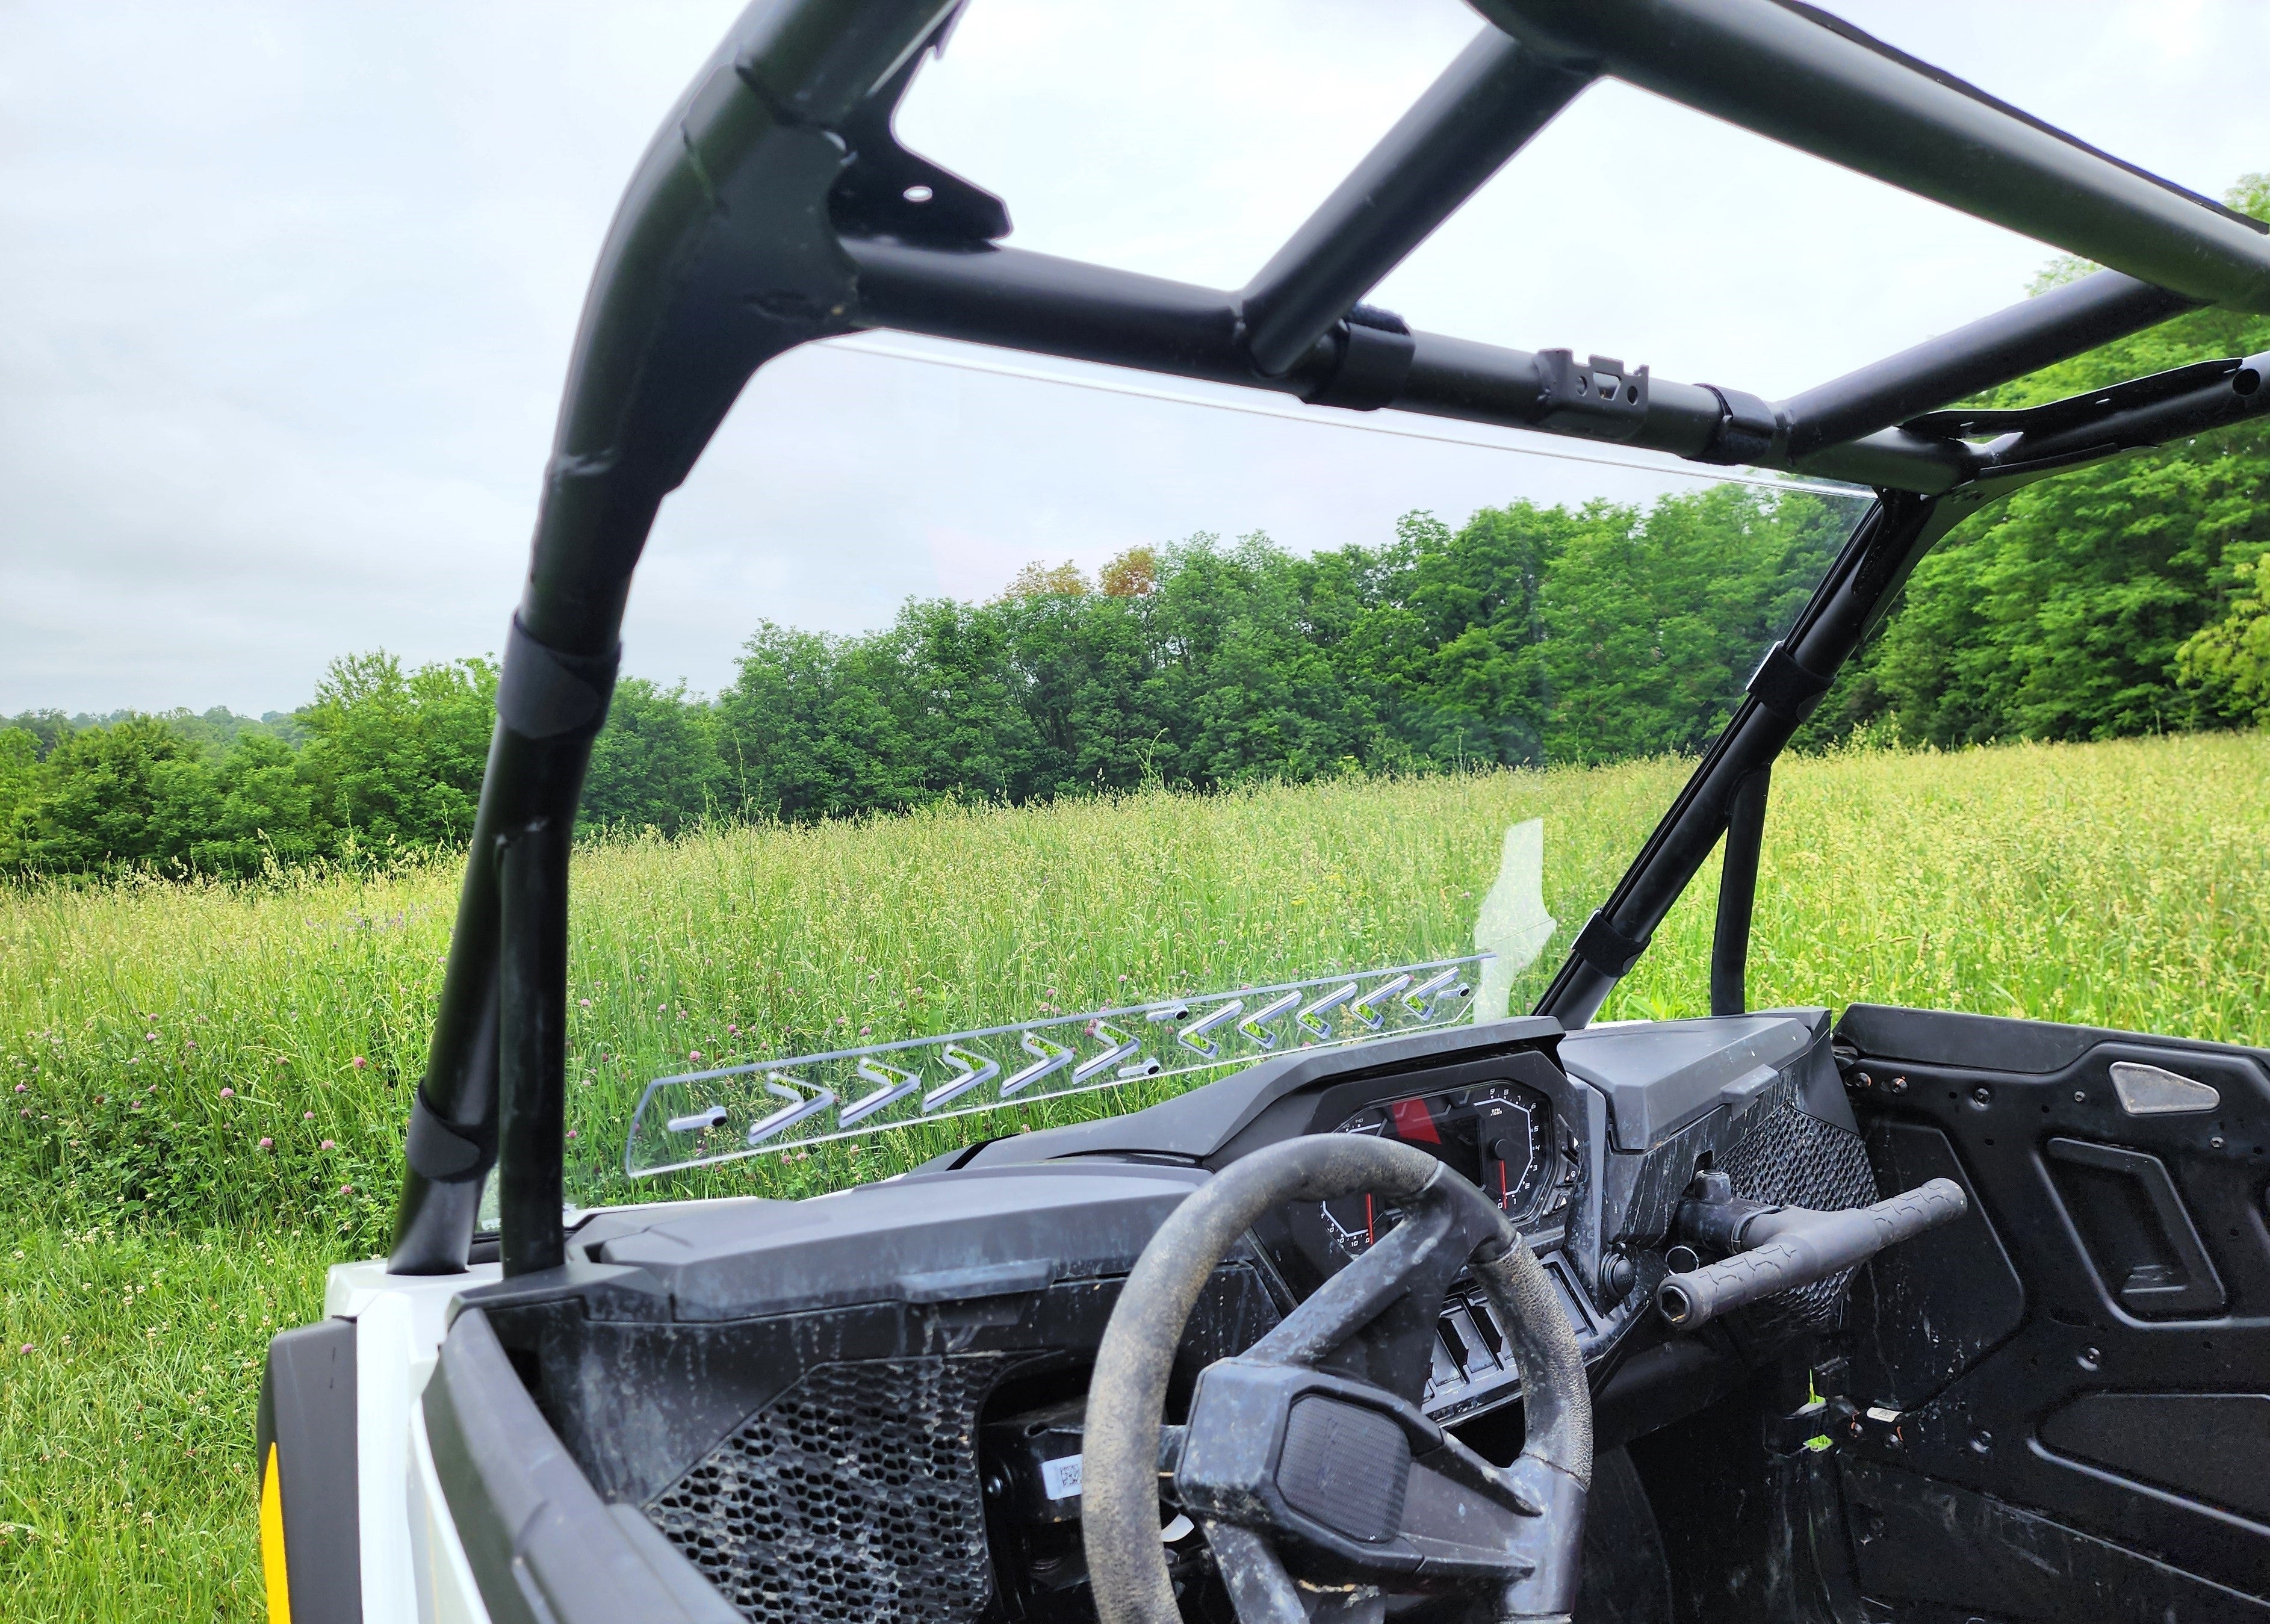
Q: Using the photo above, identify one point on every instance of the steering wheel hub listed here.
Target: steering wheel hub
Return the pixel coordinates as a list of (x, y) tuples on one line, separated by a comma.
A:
[(1302, 1474)]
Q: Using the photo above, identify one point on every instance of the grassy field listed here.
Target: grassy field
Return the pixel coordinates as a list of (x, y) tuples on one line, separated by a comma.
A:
[(208, 1083)]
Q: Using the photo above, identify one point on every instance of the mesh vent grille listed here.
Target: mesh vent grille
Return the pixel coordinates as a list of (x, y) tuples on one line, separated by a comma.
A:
[(1792, 1158), (852, 1497)]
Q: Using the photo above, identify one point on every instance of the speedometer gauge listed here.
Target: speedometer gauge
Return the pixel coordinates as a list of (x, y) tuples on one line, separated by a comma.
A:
[(1498, 1135)]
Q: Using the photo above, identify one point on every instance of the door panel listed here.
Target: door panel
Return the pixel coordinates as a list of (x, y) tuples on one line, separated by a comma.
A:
[(2087, 1356)]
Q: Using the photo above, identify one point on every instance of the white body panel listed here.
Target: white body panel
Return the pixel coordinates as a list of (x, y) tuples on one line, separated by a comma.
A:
[(413, 1567)]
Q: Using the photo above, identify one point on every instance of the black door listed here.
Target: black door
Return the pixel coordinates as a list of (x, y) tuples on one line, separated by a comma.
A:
[(2065, 1396)]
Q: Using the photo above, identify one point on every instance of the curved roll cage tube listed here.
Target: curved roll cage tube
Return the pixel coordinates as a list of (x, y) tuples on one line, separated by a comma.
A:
[(775, 207)]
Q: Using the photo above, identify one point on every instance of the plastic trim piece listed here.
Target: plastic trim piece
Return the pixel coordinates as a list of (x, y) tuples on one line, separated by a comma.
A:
[(307, 1414), (544, 1547)]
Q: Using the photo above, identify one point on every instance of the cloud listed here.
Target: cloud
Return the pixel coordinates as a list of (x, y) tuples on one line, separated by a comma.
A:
[(291, 293)]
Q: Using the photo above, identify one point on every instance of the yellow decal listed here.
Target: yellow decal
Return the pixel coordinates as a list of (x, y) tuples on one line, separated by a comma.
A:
[(272, 1541)]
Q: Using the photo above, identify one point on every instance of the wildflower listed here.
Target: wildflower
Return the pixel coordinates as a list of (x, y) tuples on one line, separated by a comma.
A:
[(731, 1031), (267, 1144), (586, 1003), (189, 1043), (27, 1347), (694, 1054), (228, 1093), (662, 1009), (306, 1116), (331, 1144), (358, 1062), (346, 1190), (571, 1133), (863, 1031), (23, 1088), (153, 1088), (149, 1037)]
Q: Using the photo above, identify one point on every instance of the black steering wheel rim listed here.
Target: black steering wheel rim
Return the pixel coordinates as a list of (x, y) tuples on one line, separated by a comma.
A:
[(1127, 1569)]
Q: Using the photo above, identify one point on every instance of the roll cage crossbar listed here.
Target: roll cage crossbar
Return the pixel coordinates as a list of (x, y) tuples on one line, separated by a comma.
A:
[(776, 207)]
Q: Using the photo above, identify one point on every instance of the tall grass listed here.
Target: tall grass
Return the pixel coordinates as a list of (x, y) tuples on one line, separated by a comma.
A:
[(152, 1035), (159, 1034)]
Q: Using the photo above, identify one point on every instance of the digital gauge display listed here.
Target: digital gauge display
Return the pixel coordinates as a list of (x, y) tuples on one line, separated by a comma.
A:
[(1498, 1135)]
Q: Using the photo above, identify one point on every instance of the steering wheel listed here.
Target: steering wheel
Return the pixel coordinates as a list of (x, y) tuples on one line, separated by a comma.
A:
[(1307, 1483)]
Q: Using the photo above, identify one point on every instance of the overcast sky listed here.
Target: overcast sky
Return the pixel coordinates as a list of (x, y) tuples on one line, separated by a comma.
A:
[(288, 291)]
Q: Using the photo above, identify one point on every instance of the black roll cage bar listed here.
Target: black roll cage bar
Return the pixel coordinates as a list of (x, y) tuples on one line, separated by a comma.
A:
[(776, 207)]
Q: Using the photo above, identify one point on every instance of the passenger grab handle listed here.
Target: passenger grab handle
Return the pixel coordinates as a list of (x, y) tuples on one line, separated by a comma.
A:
[(1778, 1248)]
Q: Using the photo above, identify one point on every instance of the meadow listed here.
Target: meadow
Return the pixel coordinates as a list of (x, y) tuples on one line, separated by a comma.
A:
[(208, 1079)]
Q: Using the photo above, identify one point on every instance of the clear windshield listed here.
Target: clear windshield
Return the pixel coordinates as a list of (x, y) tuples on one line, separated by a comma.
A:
[(1207, 805)]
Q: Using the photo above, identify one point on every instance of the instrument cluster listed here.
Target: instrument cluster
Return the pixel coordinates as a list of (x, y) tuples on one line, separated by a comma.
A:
[(1499, 1135)]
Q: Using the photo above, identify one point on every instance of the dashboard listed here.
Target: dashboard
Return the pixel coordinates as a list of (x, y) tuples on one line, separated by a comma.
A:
[(689, 1348)]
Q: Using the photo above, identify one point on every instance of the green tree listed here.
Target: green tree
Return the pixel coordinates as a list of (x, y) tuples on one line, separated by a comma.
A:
[(2229, 661), (396, 759), (655, 764), (110, 797), (2060, 613), (261, 806), (1653, 623), (19, 788)]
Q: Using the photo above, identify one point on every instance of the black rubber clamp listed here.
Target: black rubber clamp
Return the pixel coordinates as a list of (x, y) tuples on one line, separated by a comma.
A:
[(1783, 687), (1376, 352), (447, 1152), (544, 693), (1746, 431), (1606, 949)]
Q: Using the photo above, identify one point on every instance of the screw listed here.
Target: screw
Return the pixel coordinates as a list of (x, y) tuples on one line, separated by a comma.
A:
[(1861, 1079), (2215, 1142), (2090, 1359), (1982, 1441), (2080, 1096), (1981, 1096), (1858, 1431), (1899, 1085)]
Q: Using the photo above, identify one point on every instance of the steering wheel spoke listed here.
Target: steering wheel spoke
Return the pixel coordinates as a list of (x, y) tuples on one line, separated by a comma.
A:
[(1260, 1587), (1319, 1492), (1353, 1299)]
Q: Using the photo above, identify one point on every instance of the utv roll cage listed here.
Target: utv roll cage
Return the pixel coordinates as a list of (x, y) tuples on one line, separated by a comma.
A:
[(776, 207)]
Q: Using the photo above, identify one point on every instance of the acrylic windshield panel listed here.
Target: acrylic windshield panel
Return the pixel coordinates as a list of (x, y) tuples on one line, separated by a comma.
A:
[(1091, 953)]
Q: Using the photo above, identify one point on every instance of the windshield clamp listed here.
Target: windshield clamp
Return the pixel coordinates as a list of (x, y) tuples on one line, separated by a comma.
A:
[(1783, 687), (1597, 400), (1747, 432), (1376, 349), (1606, 949)]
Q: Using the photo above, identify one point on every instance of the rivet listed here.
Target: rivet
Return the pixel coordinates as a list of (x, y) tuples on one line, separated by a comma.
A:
[(2090, 1358), (1899, 1085), (2080, 1096)]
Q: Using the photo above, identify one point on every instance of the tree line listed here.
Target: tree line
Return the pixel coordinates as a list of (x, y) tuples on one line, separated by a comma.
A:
[(2128, 598)]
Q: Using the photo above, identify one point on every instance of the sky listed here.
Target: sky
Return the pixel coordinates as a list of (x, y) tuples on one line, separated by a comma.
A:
[(289, 292)]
